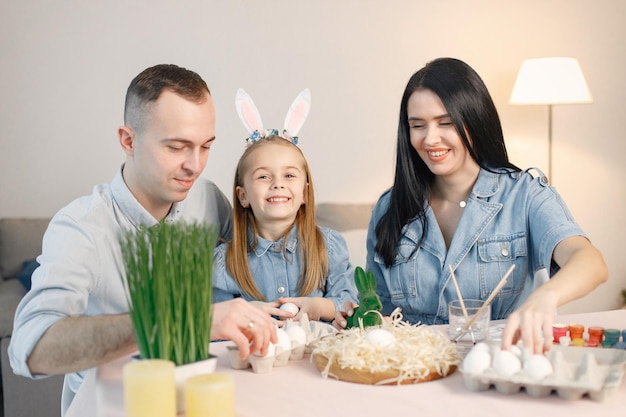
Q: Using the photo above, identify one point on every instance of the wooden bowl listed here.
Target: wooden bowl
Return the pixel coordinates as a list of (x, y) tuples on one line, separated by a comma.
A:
[(362, 376)]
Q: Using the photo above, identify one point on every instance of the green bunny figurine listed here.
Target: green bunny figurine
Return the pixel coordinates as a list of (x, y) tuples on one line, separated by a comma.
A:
[(368, 300)]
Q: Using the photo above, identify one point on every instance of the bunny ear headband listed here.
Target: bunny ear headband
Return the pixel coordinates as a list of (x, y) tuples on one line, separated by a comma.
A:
[(251, 118)]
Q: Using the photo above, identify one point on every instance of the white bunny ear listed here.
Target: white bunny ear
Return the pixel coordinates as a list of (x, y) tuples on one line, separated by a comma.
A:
[(247, 111), (298, 112)]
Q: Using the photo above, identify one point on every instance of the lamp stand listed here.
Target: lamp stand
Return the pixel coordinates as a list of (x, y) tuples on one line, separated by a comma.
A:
[(550, 143)]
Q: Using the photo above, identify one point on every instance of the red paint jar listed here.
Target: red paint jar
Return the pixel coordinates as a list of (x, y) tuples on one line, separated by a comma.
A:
[(558, 331), (596, 334)]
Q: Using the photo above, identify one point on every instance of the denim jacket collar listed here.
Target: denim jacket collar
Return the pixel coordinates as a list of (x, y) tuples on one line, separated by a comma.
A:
[(486, 185), (263, 245)]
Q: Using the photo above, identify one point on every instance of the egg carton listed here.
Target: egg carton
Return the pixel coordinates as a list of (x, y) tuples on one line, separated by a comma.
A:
[(313, 329), (576, 372), (299, 344)]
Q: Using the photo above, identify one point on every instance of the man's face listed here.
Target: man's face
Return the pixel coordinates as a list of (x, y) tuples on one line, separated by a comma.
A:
[(171, 151)]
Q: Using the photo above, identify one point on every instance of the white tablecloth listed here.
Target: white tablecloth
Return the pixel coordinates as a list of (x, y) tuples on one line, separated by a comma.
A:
[(298, 390)]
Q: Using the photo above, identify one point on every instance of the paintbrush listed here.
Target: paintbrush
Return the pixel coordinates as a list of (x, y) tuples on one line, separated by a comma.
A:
[(458, 293), (489, 299)]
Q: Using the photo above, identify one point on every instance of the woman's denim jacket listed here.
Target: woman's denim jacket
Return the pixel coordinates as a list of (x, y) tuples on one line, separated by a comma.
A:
[(277, 274), (510, 218)]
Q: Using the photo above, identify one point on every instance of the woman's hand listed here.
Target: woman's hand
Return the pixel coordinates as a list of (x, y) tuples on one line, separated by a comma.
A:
[(582, 269), (532, 323)]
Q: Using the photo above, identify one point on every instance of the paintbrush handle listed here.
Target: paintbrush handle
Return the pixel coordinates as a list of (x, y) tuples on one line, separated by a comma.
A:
[(491, 297), (458, 294)]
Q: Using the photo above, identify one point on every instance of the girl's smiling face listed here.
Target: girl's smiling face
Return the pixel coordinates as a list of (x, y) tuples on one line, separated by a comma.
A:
[(434, 136), (274, 182)]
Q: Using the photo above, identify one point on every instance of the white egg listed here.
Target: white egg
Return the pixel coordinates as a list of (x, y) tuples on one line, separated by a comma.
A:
[(271, 351), (290, 307), (506, 363), (380, 338), (477, 361), (481, 346), (517, 351), (284, 342), (537, 367), (297, 335)]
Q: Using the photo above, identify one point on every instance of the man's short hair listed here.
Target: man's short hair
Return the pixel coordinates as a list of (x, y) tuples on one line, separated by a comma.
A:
[(148, 86)]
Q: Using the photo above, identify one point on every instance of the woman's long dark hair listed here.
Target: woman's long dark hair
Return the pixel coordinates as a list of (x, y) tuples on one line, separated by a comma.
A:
[(467, 101)]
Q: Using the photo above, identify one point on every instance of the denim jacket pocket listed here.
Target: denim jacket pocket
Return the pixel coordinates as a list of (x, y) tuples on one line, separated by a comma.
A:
[(496, 255)]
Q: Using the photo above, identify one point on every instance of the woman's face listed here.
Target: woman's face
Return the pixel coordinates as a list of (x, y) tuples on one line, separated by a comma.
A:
[(434, 136)]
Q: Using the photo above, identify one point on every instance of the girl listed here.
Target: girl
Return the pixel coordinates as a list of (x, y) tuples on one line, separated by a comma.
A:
[(278, 254), (458, 202)]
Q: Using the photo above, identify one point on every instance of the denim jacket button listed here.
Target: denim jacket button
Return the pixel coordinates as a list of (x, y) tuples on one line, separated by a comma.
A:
[(281, 290)]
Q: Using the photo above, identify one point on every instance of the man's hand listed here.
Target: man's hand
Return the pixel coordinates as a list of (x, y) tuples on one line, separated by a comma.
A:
[(250, 328)]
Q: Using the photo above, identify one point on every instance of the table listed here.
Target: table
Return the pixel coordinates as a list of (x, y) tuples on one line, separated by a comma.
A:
[(298, 390)]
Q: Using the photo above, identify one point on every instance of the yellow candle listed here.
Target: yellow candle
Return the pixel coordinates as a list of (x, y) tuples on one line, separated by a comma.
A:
[(149, 388), (210, 395)]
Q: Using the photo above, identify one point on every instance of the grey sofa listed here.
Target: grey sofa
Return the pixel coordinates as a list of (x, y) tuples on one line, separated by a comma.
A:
[(20, 240)]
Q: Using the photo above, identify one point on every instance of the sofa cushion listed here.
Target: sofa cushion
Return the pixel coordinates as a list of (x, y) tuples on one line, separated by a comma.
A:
[(351, 220), (11, 292), (343, 216), (20, 240), (356, 240)]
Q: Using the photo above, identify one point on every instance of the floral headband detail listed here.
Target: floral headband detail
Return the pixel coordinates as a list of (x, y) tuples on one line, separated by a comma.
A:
[(257, 135), (294, 120)]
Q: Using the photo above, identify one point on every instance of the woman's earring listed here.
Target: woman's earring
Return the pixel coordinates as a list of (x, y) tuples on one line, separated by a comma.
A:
[(244, 204)]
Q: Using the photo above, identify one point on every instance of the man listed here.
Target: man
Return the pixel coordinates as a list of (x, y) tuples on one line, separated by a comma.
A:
[(75, 317)]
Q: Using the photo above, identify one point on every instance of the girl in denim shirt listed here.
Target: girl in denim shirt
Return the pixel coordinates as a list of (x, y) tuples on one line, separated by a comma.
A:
[(278, 254), (458, 202)]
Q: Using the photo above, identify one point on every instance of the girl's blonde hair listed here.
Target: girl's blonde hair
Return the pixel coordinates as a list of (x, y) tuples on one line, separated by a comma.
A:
[(313, 255)]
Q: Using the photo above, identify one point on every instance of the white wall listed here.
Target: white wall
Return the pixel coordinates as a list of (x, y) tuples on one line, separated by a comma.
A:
[(66, 65)]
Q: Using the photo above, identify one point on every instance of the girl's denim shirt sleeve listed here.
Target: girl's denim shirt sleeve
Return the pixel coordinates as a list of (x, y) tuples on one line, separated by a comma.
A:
[(224, 286), (510, 218)]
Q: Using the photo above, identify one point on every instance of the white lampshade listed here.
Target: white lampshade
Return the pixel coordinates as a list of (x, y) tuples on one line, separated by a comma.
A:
[(556, 80)]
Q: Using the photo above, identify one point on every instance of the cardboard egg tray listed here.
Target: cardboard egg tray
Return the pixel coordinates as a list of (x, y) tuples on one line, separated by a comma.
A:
[(577, 372), (313, 331)]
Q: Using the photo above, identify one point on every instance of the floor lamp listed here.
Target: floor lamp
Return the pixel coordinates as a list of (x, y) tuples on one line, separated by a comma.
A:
[(549, 81)]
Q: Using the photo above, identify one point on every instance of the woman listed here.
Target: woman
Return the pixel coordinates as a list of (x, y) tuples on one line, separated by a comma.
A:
[(458, 202)]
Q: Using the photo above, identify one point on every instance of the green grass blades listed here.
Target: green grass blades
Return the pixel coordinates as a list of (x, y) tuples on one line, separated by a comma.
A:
[(168, 280)]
